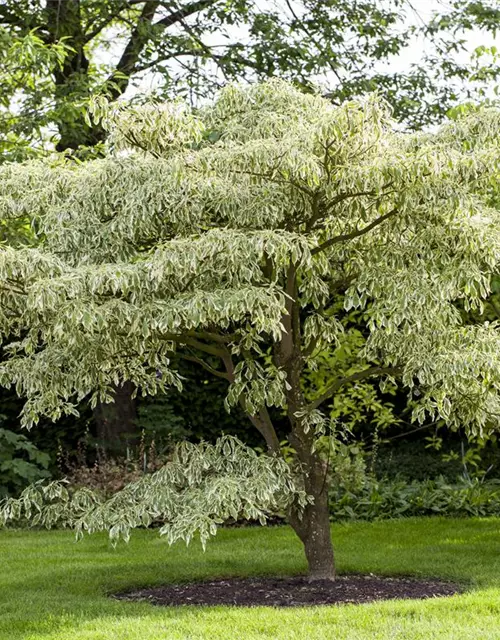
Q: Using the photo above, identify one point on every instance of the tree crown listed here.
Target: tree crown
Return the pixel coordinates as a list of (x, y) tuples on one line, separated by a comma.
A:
[(230, 234)]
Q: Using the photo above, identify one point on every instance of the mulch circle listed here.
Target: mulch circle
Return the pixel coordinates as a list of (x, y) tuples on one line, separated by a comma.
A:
[(291, 592)]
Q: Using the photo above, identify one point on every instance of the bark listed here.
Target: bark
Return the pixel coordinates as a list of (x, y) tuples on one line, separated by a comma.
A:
[(313, 525), (63, 22), (313, 529), (116, 421)]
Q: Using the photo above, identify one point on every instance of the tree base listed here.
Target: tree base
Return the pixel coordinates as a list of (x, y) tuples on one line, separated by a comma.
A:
[(321, 577)]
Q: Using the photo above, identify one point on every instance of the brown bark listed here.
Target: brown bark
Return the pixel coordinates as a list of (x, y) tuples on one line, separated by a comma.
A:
[(64, 23), (312, 525), (313, 529), (116, 421)]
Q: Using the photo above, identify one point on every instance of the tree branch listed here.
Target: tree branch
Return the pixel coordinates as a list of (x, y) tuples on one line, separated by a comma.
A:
[(153, 63), (262, 421), (201, 346), (192, 342), (209, 335), (201, 44), (185, 12), (90, 35), (301, 23), (360, 375), (205, 365), (264, 424), (272, 178), (125, 67), (354, 234), (345, 196)]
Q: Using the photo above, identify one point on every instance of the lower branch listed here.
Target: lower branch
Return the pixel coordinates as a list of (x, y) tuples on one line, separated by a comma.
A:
[(261, 421), (205, 365)]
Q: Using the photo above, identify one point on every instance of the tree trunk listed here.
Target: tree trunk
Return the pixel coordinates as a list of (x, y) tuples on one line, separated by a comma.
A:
[(313, 525), (64, 23), (313, 529), (116, 421)]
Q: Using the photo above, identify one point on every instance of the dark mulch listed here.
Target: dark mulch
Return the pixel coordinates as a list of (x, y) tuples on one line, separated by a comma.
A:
[(291, 592)]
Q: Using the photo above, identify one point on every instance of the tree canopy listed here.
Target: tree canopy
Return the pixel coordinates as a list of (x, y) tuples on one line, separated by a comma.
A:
[(237, 235)]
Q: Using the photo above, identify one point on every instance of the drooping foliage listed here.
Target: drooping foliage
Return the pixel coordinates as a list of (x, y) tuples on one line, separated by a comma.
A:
[(239, 236), (200, 487)]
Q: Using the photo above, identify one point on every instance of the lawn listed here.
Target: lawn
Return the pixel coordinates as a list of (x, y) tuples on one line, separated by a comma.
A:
[(52, 588)]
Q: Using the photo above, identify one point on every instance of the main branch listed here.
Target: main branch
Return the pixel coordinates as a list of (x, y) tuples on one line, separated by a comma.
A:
[(262, 420), (354, 234), (125, 67)]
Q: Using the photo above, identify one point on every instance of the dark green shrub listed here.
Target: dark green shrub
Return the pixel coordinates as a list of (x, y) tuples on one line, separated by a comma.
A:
[(21, 463), (384, 499), (413, 460)]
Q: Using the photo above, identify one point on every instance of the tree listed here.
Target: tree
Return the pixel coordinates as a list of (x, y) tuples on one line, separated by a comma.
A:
[(228, 236)]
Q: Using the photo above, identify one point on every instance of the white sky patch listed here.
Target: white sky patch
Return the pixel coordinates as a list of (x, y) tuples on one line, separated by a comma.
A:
[(413, 54)]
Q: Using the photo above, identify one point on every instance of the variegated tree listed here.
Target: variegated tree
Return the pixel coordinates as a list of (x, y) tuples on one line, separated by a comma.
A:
[(237, 236)]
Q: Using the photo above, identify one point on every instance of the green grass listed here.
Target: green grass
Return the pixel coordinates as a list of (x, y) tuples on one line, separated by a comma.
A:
[(52, 588)]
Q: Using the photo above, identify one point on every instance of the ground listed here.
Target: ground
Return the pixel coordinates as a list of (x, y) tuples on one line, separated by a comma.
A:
[(291, 591), (52, 588)]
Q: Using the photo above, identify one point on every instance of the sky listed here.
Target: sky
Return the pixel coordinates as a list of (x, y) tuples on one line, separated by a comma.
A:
[(425, 9), (412, 54)]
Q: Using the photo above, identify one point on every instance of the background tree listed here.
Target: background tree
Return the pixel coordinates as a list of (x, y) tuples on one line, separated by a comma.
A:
[(228, 236), (55, 53)]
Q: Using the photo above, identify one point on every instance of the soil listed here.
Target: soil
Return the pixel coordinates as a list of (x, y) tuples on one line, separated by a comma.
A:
[(291, 592)]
